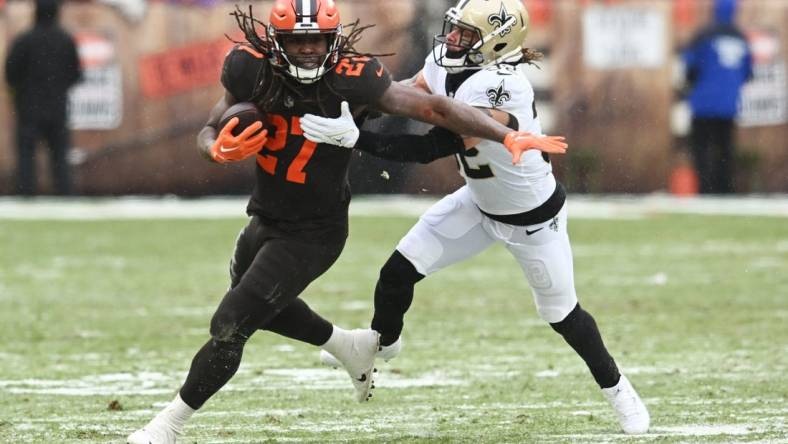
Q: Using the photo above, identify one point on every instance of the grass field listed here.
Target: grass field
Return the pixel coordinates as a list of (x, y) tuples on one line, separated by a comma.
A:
[(100, 319)]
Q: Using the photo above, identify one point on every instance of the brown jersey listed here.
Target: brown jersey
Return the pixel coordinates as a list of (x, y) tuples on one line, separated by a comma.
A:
[(301, 184)]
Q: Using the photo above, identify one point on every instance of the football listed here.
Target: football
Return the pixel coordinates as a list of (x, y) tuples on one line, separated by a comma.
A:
[(247, 114)]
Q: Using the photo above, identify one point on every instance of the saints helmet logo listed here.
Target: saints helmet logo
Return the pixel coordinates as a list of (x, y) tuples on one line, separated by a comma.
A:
[(500, 19), (498, 95)]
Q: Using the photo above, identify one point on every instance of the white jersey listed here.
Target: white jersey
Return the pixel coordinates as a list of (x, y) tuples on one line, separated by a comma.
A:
[(497, 186)]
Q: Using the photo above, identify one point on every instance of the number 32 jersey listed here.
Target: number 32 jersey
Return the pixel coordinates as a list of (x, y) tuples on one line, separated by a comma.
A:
[(497, 186), (301, 184)]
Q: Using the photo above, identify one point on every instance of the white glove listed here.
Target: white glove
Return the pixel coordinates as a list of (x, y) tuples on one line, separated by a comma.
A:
[(341, 131)]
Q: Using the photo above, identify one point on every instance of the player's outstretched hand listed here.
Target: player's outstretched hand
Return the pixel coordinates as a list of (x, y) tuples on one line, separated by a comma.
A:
[(340, 131), (517, 142), (229, 148)]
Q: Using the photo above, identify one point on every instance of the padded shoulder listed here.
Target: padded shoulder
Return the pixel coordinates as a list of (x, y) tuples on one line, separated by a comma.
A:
[(244, 70), (360, 80)]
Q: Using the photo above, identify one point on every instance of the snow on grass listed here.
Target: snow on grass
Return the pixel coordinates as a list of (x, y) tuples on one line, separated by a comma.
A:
[(432, 379), (111, 384), (704, 430), (658, 433), (624, 207), (152, 383)]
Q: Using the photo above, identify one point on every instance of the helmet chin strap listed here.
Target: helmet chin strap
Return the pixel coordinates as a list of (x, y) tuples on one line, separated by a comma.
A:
[(305, 75), (312, 75), (456, 64)]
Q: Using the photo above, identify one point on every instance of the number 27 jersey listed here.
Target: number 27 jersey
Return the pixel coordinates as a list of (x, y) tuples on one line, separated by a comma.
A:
[(301, 183)]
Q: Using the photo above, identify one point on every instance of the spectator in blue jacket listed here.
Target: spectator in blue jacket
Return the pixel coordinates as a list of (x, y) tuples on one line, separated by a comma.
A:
[(719, 62)]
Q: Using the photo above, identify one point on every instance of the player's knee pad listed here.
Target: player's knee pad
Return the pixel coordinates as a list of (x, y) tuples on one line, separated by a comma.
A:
[(398, 271), (553, 314), (554, 308), (554, 304)]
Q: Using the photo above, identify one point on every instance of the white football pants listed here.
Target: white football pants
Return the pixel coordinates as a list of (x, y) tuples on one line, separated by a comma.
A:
[(454, 229)]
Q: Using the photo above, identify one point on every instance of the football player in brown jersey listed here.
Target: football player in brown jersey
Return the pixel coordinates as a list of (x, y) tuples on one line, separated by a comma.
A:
[(298, 210)]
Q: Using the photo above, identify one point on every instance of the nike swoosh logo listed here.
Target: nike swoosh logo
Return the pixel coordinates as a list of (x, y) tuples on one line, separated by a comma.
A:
[(379, 72), (528, 233), (363, 378), (227, 150)]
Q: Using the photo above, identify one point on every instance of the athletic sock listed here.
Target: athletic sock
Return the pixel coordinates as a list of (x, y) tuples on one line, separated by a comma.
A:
[(337, 343), (175, 414)]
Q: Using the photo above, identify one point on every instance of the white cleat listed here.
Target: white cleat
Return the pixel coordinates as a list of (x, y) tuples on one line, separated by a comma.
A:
[(632, 413), (152, 434), (385, 352), (358, 359)]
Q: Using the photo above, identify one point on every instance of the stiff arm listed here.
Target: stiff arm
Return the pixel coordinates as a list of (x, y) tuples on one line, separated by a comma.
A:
[(413, 99), (502, 117), (441, 111)]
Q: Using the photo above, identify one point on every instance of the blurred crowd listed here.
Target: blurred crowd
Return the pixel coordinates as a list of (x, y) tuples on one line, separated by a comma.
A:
[(666, 109)]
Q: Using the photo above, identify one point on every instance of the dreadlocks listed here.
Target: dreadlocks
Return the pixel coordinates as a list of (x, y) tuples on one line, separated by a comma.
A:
[(530, 56), (248, 25), (269, 92), (348, 44)]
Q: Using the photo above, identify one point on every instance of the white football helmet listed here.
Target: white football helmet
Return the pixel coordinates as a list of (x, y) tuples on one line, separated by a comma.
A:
[(487, 32)]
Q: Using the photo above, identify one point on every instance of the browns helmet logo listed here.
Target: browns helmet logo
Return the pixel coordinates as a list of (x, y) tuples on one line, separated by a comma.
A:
[(500, 19), (498, 96)]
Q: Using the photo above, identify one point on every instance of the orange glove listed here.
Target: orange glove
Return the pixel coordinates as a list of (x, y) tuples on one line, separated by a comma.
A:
[(229, 148), (517, 142)]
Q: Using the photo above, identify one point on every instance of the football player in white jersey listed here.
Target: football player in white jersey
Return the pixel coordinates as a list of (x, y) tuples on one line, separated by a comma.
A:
[(477, 60)]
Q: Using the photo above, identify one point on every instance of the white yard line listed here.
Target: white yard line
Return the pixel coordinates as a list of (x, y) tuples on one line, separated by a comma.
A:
[(580, 206), (276, 379)]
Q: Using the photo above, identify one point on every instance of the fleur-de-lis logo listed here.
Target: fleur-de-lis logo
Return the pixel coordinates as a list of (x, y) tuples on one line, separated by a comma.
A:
[(500, 19), (498, 95)]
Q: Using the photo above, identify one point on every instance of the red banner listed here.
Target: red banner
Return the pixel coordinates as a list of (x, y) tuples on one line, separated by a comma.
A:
[(182, 69), (540, 11)]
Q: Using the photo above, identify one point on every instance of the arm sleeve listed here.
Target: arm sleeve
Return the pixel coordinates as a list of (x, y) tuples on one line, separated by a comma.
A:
[(438, 142)]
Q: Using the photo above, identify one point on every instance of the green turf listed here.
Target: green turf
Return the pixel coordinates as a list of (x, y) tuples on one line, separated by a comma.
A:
[(695, 309)]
